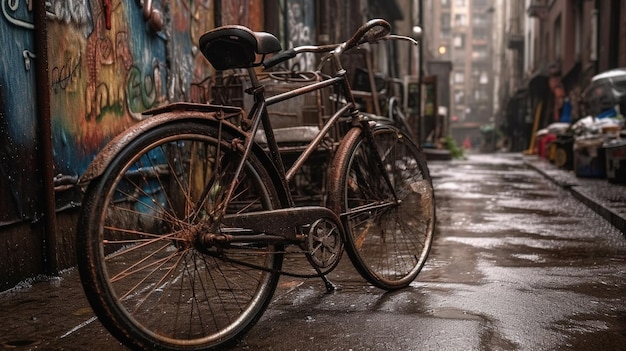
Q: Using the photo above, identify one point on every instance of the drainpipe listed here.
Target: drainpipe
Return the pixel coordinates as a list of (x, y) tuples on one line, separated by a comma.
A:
[(217, 13), (595, 34), (420, 72), (44, 138)]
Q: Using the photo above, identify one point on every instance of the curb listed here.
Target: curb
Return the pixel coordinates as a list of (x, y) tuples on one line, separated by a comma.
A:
[(580, 191), (613, 217)]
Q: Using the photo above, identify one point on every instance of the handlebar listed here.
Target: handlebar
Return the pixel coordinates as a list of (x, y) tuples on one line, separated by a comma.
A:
[(362, 35), (280, 57), (293, 52)]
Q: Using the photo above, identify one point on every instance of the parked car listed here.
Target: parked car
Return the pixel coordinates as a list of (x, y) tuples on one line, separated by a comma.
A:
[(605, 91)]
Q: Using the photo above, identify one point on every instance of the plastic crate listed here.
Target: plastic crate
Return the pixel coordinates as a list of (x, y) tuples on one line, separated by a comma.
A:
[(615, 152)]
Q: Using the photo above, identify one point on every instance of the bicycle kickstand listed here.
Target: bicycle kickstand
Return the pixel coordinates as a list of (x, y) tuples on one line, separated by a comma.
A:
[(330, 287)]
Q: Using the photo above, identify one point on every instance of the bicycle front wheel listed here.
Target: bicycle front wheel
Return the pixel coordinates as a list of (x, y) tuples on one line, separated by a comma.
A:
[(147, 274), (389, 223)]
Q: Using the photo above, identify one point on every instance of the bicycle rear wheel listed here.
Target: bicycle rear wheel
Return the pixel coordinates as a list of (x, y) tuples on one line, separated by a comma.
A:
[(389, 229), (147, 275)]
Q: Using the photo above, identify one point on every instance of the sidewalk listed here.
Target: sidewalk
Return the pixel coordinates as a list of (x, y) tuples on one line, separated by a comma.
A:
[(606, 199)]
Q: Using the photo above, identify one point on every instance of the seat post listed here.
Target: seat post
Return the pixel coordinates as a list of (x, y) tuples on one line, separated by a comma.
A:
[(254, 79), (257, 89)]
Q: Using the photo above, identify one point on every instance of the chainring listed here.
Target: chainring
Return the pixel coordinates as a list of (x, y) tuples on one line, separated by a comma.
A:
[(324, 245)]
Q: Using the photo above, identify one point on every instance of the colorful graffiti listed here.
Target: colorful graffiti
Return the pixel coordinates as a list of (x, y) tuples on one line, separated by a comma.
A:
[(190, 19), (108, 62), (300, 19), (101, 78)]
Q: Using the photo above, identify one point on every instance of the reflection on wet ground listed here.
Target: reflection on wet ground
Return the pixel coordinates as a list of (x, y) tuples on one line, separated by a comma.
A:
[(517, 264), (544, 259)]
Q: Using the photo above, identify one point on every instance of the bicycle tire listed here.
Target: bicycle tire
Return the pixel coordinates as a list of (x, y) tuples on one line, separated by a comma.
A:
[(388, 241), (145, 276)]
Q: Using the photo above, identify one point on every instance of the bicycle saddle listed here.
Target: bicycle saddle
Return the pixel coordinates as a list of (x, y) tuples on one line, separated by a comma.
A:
[(236, 46)]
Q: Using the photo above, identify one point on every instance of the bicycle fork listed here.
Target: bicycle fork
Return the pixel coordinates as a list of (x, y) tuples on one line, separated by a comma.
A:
[(378, 158)]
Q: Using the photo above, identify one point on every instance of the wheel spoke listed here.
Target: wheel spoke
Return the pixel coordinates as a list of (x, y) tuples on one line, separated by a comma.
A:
[(390, 230), (147, 276)]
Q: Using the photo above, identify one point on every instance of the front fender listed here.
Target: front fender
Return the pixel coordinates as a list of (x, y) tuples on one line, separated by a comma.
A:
[(173, 113)]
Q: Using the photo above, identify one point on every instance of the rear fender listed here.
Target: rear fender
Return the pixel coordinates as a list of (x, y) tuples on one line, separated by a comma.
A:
[(337, 170), (175, 113)]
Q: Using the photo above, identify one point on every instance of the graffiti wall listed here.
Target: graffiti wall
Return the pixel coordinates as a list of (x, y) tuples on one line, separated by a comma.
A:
[(106, 67), (300, 29), (107, 63)]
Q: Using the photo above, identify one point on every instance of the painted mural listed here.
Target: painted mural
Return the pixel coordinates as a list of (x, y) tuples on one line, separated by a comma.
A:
[(248, 13), (107, 64), (106, 67)]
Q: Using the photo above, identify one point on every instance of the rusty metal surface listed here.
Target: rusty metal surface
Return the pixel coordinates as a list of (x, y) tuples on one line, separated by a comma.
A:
[(283, 222), (335, 176), (204, 113)]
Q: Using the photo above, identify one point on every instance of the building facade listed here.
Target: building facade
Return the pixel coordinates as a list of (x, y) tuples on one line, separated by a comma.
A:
[(461, 32), (563, 43), (515, 64)]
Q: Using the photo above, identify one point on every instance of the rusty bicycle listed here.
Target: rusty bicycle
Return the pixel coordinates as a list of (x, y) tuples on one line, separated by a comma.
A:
[(188, 215)]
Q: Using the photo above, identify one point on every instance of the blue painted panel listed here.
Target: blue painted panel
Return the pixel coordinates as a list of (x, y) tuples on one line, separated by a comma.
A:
[(18, 176)]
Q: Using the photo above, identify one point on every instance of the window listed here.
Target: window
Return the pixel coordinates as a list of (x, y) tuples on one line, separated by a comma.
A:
[(445, 20), (480, 3), (459, 77), (460, 19), (484, 78), (480, 96), (479, 52), (479, 21), (459, 41), (459, 97), (445, 33), (480, 34), (459, 3)]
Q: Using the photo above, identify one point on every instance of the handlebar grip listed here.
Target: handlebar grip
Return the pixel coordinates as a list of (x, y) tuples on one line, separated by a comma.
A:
[(364, 29), (280, 57)]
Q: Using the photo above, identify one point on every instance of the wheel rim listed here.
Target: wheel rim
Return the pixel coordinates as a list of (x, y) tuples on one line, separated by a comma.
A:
[(389, 238), (160, 283)]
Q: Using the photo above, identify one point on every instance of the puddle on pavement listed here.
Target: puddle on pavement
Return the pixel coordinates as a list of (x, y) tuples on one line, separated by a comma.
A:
[(530, 257), (454, 313), (11, 344)]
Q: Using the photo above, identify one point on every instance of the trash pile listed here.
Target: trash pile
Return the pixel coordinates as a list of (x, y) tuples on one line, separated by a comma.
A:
[(593, 146)]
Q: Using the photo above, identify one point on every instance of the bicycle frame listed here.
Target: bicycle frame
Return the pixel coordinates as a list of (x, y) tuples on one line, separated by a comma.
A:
[(271, 221), (259, 113), (267, 222), (259, 109), (191, 212)]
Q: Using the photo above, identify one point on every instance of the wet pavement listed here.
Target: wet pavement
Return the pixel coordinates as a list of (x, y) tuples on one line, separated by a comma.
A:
[(605, 198), (524, 259)]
